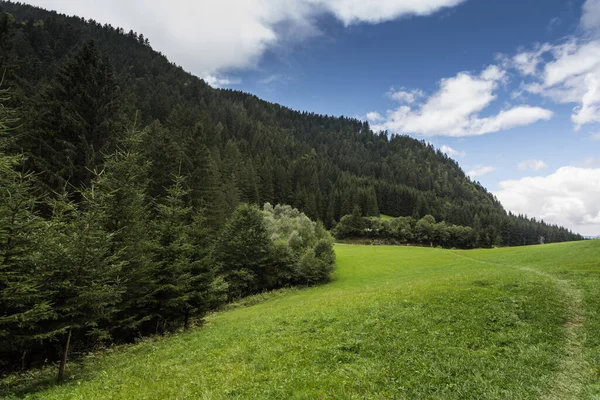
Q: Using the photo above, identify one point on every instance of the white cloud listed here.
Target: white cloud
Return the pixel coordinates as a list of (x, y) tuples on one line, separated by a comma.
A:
[(220, 81), (357, 11), (403, 96), (590, 20), (374, 116), (508, 119), (595, 136), (569, 197), (534, 165), (454, 109), (480, 170), (572, 75), (527, 62), (451, 152), (211, 36)]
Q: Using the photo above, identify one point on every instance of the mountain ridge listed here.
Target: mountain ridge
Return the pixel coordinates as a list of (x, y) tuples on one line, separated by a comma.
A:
[(253, 150)]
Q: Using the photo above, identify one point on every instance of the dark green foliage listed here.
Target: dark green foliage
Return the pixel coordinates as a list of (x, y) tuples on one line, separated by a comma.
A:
[(351, 225), (403, 230), (279, 246), (81, 275), (242, 250), (515, 231), (73, 119), (177, 278), (127, 213), (23, 303)]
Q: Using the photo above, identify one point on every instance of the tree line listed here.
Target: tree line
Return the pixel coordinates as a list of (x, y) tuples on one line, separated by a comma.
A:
[(106, 263), (426, 231)]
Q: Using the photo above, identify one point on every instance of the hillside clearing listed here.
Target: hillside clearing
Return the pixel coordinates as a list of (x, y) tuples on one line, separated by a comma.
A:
[(402, 322)]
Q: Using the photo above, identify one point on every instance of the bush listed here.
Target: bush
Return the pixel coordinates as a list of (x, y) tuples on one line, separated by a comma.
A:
[(277, 247), (303, 248)]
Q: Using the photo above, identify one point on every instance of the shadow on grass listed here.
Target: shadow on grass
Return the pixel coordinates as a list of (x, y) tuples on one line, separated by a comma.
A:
[(19, 385)]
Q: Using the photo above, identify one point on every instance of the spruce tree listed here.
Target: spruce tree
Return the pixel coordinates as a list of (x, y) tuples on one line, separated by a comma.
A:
[(182, 277), (23, 304), (124, 186), (73, 119), (242, 250), (83, 276)]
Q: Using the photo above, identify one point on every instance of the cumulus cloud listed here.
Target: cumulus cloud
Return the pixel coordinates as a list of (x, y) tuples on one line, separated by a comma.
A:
[(569, 197), (480, 170), (454, 109), (220, 81), (534, 165), (572, 73), (212, 36), (403, 96), (374, 116), (451, 152)]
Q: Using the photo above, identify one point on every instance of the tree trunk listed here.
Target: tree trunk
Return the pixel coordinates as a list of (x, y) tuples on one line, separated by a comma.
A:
[(186, 320), (23, 357), (63, 359)]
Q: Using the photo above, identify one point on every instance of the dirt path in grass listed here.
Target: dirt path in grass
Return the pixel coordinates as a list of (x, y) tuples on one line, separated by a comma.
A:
[(568, 382)]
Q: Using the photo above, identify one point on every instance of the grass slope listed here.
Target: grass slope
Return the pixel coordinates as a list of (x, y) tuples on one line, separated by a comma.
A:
[(396, 322)]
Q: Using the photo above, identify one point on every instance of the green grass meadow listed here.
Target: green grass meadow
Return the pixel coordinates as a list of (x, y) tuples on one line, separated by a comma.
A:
[(395, 322)]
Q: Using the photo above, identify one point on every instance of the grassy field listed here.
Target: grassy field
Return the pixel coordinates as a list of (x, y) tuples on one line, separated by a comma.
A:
[(395, 322)]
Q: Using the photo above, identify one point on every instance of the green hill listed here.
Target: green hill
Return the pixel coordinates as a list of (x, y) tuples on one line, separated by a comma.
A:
[(396, 322)]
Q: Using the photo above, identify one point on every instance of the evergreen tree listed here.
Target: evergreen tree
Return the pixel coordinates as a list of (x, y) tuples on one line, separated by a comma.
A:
[(74, 119), (203, 182), (242, 250), (82, 276), (23, 305), (124, 187), (172, 276)]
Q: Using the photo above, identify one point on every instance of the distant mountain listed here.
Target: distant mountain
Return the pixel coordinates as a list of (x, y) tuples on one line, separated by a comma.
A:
[(233, 146)]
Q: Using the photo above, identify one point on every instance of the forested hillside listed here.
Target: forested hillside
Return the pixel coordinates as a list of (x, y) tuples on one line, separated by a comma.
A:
[(130, 190), (233, 147)]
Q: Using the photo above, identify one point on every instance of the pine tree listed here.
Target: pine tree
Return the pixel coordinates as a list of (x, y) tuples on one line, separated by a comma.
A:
[(23, 305), (174, 297), (208, 290), (83, 277), (184, 277), (74, 119), (203, 182), (124, 186), (242, 250)]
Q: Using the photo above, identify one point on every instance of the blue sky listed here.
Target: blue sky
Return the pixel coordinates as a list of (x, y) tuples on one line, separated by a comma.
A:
[(509, 88)]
